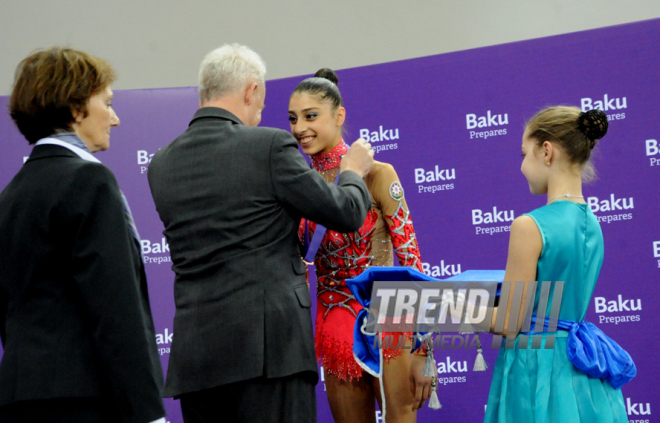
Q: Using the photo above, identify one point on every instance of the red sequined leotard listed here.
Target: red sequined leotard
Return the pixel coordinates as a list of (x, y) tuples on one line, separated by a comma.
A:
[(345, 255)]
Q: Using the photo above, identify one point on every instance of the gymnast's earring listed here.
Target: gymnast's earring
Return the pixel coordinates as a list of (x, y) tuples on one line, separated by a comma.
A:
[(547, 163)]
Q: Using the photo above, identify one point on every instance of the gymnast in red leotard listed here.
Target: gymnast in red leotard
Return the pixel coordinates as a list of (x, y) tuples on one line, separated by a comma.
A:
[(316, 115)]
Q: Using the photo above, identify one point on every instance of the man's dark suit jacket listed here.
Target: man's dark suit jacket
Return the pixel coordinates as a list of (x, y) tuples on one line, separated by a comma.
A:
[(231, 198), (75, 318)]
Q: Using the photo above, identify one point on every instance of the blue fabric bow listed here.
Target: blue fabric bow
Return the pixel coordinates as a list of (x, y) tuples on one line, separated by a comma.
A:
[(595, 353)]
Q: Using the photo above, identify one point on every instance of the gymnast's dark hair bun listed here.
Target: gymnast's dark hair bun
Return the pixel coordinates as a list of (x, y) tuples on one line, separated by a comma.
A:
[(323, 85), (328, 74), (593, 124)]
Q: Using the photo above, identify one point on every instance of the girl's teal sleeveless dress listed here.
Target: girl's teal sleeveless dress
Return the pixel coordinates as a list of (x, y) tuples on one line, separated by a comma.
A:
[(542, 386)]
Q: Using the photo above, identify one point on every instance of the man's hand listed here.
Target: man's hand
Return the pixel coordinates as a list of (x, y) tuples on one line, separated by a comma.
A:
[(419, 385), (359, 159)]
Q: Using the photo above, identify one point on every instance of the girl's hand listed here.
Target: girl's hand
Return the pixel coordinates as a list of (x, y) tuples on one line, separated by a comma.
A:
[(419, 385)]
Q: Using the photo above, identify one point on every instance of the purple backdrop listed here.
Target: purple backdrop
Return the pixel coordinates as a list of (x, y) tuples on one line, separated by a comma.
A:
[(451, 125)]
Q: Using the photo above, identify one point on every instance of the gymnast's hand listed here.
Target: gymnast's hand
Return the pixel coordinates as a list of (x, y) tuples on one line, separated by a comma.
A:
[(419, 384), (359, 159)]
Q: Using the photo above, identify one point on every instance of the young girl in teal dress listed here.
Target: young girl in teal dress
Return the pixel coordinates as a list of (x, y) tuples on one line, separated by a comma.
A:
[(561, 241)]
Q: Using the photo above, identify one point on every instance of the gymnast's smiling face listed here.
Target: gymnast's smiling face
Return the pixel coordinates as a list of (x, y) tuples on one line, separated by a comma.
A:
[(314, 124)]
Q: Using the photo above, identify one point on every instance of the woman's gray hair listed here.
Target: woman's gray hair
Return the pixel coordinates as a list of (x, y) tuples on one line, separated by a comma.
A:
[(227, 70)]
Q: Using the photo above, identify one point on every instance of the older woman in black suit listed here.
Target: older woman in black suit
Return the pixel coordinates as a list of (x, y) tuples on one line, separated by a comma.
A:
[(75, 321)]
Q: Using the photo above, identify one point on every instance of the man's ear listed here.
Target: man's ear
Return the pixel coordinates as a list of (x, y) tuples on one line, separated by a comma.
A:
[(250, 93)]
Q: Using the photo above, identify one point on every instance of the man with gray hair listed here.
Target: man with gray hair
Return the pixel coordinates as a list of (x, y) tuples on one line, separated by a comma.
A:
[(231, 196)]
